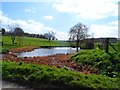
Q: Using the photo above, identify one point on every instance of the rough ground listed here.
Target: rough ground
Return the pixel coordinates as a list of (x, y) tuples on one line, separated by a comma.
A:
[(23, 49), (58, 60)]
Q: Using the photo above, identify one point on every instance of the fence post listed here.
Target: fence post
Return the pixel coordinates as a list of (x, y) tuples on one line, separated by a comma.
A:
[(106, 43), (118, 46)]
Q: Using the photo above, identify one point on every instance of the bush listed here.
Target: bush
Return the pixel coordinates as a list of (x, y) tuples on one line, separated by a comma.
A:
[(89, 57), (106, 63)]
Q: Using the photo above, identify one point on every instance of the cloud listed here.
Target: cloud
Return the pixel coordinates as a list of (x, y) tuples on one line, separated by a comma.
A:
[(31, 1), (48, 17), (115, 23), (31, 26), (30, 10), (90, 9), (61, 35), (104, 30), (5, 20)]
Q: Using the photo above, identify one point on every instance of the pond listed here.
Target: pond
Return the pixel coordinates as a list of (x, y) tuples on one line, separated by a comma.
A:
[(38, 52), (47, 51)]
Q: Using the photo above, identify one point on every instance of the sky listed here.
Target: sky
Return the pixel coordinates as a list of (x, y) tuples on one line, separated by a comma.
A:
[(39, 17)]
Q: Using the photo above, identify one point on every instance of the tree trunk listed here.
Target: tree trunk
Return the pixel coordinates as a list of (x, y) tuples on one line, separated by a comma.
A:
[(49, 39), (13, 41), (12, 38), (19, 41), (77, 45)]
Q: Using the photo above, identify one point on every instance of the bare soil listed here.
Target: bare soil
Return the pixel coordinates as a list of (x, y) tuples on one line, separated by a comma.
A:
[(58, 60), (24, 49)]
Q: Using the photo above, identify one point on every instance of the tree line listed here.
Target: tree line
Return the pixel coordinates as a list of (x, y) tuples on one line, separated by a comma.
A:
[(16, 30)]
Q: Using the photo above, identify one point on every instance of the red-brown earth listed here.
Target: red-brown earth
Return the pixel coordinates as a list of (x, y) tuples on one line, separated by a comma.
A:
[(58, 60), (24, 49)]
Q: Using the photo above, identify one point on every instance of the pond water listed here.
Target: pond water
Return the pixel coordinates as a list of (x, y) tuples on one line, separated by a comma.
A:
[(47, 51), (38, 52)]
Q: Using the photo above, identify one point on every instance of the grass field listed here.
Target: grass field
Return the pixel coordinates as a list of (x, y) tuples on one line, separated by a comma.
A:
[(28, 41), (34, 41)]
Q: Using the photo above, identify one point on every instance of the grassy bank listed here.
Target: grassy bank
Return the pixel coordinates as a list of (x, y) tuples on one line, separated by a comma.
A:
[(107, 63), (38, 76)]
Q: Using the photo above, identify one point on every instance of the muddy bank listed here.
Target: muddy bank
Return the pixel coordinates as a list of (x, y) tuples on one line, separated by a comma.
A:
[(58, 60), (24, 49)]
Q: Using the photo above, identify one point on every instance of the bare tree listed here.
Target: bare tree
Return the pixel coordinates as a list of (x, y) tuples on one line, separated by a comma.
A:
[(50, 35), (15, 30), (19, 32), (78, 32), (11, 32)]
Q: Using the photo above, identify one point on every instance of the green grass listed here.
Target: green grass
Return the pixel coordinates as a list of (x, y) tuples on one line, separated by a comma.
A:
[(28, 41), (7, 47), (34, 41), (107, 63), (115, 45), (36, 75)]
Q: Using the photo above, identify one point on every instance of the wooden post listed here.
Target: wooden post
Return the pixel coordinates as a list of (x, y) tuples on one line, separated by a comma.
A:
[(106, 43), (118, 46)]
